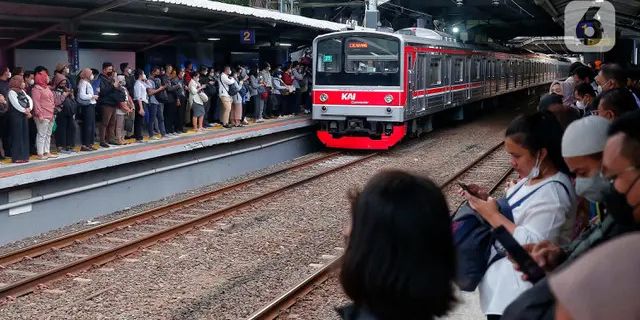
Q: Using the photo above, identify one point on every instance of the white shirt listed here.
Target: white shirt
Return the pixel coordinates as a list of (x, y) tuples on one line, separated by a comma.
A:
[(140, 92), (85, 91), (193, 92), (547, 214), (225, 82), (13, 99)]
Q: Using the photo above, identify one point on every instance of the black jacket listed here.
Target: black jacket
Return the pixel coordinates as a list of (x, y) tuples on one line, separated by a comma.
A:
[(109, 95), (351, 312)]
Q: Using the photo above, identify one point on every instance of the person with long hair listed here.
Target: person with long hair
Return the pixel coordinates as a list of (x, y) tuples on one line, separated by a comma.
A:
[(197, 105), (19, 115), (400, 261), (542, 203)]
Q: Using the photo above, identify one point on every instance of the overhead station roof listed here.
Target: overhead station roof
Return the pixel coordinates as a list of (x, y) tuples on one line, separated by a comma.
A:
[(142, 24)]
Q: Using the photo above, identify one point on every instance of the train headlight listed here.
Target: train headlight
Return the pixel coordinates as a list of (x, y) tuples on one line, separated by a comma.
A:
[(388, 98), (324, 97)]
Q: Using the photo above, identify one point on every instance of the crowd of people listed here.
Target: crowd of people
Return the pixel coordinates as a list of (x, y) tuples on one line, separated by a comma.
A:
[(39, 108), (575, 208)]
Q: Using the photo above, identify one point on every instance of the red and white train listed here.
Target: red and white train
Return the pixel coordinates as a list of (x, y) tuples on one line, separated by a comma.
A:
[(371, 88)]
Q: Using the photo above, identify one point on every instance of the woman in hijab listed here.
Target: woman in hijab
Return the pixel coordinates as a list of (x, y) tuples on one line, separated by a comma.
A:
[(19, 113), (66, 127), (43, 108)]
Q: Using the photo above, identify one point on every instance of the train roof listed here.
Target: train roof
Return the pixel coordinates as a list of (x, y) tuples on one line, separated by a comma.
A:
[(441, 39)]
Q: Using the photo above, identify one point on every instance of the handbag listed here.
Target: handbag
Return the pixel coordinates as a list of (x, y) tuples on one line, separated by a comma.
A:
[(69, 106), (203, 97)]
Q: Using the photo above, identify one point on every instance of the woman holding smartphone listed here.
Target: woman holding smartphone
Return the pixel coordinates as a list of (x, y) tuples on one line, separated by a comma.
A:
[(542, 203)]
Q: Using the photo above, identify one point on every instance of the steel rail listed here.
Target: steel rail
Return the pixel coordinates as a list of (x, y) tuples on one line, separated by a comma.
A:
[(27, 285), (289, 298)]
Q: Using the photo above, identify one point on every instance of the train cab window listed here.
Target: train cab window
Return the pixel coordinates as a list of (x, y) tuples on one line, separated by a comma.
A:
[(371, 56), (435, 72), (458, 70), (330, 55)]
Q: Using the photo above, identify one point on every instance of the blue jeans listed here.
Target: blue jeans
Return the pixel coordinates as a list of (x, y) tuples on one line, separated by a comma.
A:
[(154, 113)]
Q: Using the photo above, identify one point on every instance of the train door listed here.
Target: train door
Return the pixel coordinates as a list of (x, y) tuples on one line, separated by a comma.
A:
[(446, 65), (411, 88), (423, 69), (469, 64)]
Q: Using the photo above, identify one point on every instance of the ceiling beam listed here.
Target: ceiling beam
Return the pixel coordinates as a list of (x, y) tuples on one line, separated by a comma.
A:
[(88, 13)]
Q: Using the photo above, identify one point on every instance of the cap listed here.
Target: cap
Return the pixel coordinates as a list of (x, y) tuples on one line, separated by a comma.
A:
[(585, 136), (61, 66)]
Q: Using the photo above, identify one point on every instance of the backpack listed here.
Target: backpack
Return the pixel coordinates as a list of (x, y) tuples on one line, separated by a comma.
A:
[(232, 90), (473, 239)]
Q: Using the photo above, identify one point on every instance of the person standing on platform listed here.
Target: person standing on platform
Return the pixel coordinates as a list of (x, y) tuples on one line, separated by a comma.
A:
[(66, 107), (181, 103), (171, 104), (258, 91), (63, 69), (20, 106), (197, 104), (236, 107), (267, 78), (108, 101), (87, 100), (43, 109), (154, 87), (140, 100), (130, 80), (5, 75), (226, 81)]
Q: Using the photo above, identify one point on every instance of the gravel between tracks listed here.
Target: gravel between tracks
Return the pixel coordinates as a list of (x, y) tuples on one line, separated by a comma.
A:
[(233, 267)]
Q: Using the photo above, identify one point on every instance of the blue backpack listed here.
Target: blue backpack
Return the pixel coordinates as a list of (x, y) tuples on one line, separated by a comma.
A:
[(473, 240)]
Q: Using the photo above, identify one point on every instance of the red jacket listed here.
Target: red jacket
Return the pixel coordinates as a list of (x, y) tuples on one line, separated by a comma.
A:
[(287, 78)]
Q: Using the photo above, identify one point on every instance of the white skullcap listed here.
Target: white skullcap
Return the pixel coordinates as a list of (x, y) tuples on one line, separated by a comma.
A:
[(585, 136)]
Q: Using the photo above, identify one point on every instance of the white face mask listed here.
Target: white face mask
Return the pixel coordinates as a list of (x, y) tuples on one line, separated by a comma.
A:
[(144, 77), (599, 90), (66, 70), (535, 171), (31, 82), (580, 105), (592, 188), (9, 77), (91, 77)]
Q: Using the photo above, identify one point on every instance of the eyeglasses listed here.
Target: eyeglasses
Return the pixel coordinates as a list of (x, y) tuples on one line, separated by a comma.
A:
[(612, 179)]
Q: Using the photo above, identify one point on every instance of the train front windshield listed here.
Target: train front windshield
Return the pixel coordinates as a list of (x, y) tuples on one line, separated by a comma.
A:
[(358, 60)]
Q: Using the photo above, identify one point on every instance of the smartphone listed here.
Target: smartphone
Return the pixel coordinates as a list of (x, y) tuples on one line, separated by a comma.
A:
[(466, 188), (527, 265)]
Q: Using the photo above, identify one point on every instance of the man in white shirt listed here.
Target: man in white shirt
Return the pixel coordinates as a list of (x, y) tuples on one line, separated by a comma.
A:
[(140, 100)]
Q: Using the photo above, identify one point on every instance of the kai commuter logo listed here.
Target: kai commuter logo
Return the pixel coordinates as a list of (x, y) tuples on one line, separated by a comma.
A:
[(349, 96), (589, 26)]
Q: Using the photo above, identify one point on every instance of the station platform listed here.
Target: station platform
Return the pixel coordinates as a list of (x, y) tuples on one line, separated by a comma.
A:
[(13, 175), (43, 195)]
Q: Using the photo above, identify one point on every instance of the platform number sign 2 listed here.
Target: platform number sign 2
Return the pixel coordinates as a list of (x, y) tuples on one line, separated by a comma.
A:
[(248, 36)]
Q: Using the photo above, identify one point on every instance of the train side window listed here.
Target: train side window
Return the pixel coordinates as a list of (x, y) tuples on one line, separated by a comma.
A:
[(458, 71), (475, 69), (435, 72), (420, 71)]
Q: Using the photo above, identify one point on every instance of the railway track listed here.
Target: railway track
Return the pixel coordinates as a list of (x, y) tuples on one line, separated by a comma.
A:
[(28, 269), (489, 170)]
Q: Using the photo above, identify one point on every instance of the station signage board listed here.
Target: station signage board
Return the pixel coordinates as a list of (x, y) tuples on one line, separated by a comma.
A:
[(248, 36)]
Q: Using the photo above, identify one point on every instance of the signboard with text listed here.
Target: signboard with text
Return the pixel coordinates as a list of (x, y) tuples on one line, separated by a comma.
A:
[(248, 36)]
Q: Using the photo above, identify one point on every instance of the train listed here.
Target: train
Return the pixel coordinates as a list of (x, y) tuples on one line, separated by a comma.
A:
[(373, 88)]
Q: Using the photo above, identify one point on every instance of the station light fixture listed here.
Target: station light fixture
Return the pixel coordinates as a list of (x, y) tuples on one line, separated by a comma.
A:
[(495, 2), (213, 39), (459, 3), (284, 44), (110, 34), (455, 29)]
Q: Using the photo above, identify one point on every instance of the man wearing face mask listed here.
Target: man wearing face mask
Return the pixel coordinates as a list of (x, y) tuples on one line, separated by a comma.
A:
[(614, 103), (582, 145), (585, 96), (620, 165), (108, 100), (613, 76)]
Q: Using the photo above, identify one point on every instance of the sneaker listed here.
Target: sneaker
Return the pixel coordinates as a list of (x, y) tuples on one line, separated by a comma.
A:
[(154, 138), (51, 155), (245, 122), (104, 145), (139, 141), (85, 148), (260, 120), (93, 148), (42, 157)]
